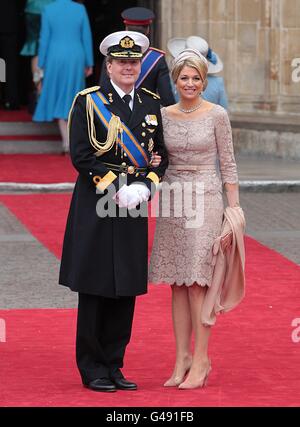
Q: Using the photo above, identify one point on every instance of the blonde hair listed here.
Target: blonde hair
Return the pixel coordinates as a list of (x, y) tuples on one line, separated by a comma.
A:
[(193, 59)]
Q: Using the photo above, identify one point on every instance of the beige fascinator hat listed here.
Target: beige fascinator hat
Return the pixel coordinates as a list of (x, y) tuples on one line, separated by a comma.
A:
[(187, 53), (176, 45)]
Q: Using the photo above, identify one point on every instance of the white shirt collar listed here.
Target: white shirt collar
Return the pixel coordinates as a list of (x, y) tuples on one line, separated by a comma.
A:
[(121, 93)]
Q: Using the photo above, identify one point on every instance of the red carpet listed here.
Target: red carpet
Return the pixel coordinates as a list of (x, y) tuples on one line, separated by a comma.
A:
[(255, 362), (36, 168), (15, 116), (30, 138)]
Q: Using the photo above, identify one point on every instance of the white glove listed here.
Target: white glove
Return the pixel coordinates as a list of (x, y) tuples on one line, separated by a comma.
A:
[(121, 197), (142, 190), (131, 196), (127, 198)]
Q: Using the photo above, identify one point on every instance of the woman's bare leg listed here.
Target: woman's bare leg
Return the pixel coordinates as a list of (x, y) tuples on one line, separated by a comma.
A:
[(63, 127), (201, 364), (34, 62), (182, 325)]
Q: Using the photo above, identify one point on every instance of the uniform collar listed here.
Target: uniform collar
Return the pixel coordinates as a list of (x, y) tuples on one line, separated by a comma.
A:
[(141, 104), (115, 103), (120, 92)]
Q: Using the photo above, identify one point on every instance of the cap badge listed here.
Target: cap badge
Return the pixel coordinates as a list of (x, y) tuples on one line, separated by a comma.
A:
[(127, 43)]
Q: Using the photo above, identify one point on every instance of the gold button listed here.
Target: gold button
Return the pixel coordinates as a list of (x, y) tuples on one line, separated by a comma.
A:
[(143, 133), (96, 179), (142, 144), (123, 164), (144, 124), (125, 155), (123, 174), (131, 169)]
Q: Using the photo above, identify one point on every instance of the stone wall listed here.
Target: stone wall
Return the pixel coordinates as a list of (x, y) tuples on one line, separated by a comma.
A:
[(259, 43)]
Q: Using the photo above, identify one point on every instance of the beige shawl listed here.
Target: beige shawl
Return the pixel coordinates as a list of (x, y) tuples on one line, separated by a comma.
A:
[(227, 288)]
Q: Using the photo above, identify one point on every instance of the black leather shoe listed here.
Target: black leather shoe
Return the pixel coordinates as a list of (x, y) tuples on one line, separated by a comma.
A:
[(123, 384), (101, 384)]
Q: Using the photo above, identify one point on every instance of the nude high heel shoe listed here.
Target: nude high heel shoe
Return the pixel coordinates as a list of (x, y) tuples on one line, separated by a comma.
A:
[(175, 381), (188, 385)]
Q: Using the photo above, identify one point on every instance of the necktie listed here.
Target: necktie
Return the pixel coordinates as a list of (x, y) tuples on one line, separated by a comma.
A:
[(127, 99)]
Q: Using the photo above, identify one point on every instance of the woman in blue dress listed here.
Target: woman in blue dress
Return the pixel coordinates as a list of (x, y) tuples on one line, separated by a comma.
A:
[(65, 57), (33, 11)]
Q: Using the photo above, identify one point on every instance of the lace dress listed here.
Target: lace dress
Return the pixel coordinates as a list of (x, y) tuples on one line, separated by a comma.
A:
[(182, 247)]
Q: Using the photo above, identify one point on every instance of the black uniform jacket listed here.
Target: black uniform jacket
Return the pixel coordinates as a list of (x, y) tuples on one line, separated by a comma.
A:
[(158, 81), (107, 256)]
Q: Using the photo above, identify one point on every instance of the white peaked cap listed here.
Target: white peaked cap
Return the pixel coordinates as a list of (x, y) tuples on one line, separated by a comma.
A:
[(124, 44)]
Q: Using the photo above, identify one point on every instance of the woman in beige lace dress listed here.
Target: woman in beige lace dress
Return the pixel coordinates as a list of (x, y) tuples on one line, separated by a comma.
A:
[(197, 135)]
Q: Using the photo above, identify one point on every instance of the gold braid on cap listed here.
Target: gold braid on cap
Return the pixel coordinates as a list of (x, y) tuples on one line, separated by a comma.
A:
[(114, 129)]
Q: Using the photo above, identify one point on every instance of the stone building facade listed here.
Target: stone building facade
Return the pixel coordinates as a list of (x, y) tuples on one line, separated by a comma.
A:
[(259, 43)]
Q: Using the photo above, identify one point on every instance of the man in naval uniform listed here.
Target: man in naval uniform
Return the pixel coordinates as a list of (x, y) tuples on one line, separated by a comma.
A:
[(113, 130), (155, 73)]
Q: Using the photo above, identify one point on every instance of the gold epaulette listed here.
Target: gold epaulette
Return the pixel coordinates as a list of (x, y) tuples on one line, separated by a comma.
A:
[(158, 50), (155, 95), (89, 90), (83, 92)]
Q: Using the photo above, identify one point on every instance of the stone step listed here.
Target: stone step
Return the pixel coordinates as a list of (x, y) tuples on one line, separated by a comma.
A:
[(271, 135), (28, 128), (29, 137), (37, 146)]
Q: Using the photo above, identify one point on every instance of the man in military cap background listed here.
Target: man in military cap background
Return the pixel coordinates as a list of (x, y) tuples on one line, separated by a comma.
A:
[(113, 132), (154, 73)]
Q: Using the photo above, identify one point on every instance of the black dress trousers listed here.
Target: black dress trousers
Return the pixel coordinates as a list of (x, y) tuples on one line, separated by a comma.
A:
[(103, 332)]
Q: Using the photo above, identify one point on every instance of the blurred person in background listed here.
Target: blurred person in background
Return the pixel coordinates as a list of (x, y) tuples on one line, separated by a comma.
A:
[(9, 53), (33, 11), (65, 58)]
